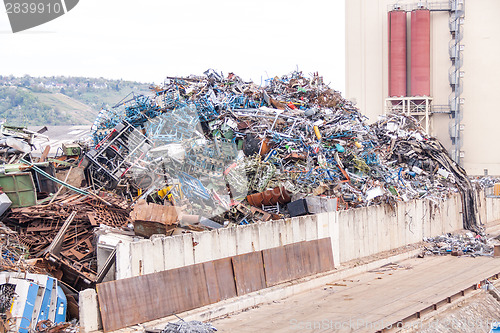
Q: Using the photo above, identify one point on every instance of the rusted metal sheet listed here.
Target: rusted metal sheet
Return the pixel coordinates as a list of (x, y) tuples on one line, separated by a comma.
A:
[(325, 254), (249, 272), (120, 301), (148, 228), (211, 281), (295, 260), (225, 278), (269, 197), (191, 288), (148, 297), (143, 211), (161, 294), (275, 266), (150, 219), (310, 257)]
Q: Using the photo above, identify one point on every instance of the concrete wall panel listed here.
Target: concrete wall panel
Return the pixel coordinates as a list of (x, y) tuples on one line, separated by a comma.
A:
[(354, 234), (171, 247)]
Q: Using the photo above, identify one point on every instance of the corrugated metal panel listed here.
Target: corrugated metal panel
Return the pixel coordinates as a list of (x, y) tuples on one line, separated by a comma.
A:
[(249, 272), (150, 219), (154, 213)]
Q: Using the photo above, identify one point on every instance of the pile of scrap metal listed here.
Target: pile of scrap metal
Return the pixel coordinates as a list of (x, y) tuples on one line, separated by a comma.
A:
[(490, 185), (32, 303), (201, 153), (223, 151), (30, 300), (466, 244), (15, 142), (61, 233), (49, 213), (182, 326), (14, 254)]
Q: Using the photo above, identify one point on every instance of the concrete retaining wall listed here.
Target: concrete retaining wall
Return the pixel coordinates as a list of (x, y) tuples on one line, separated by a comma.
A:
[(489, 208), (354, 233), (492, 207)]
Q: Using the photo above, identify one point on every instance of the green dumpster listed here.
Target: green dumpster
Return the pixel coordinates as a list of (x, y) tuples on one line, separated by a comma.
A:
[(20, 188)]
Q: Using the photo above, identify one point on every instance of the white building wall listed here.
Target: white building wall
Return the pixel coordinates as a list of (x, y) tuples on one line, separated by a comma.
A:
[(367, 72)]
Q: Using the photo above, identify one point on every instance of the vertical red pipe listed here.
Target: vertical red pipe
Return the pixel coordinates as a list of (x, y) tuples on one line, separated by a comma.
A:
[(420, 76), (397, 53)]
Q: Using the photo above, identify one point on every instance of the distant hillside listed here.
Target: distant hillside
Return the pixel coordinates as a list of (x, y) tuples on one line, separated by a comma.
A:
[(60, 100)]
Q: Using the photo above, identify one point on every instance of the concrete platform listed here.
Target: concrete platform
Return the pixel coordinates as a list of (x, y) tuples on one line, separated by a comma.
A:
[(370, 301)]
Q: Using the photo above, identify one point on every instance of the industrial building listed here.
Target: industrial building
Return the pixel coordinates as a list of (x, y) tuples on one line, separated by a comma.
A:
[(436, 60)]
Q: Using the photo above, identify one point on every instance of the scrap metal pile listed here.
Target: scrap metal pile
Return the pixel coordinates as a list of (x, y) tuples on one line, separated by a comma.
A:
[(61, 233), (204, 152), (14, 254), (229, 151), (193, 326), (466, 244)]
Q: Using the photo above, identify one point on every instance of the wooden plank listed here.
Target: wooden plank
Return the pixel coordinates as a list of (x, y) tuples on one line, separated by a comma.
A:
[(249, 272), (325, 255), (275, 266), (225, 278)]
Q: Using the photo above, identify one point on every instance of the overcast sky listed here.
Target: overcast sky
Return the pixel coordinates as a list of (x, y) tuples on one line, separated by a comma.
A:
[(150, 39)]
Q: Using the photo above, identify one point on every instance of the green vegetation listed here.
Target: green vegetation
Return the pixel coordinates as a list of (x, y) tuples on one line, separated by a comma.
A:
[(60, 100)]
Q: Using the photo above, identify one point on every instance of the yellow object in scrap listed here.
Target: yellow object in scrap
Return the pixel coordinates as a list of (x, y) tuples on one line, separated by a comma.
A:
[(496, 189), (316, 131)]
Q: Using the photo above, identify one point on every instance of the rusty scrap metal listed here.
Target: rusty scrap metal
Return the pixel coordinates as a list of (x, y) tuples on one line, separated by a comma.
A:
[(62, 232), (150, 219), (269, 197)]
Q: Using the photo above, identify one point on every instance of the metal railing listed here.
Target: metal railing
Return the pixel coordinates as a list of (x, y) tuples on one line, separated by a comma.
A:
[(442, 6)]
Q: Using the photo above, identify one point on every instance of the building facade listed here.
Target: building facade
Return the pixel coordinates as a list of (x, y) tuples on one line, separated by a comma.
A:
[(450, 79)]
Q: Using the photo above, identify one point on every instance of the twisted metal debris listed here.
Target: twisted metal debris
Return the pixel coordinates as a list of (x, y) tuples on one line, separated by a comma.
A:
[(193, 326), (460, 244), (220, 138)]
